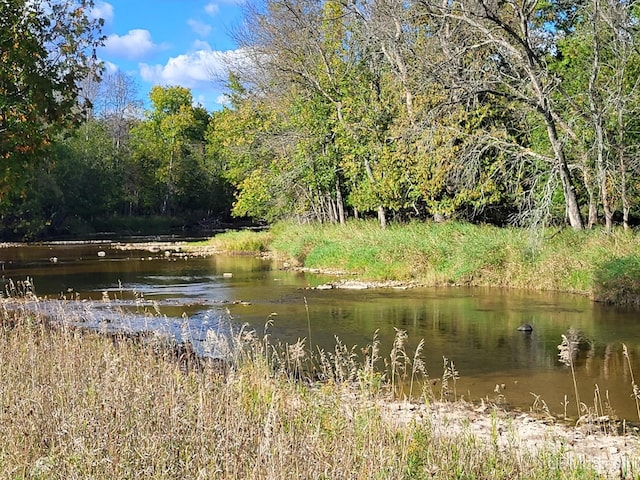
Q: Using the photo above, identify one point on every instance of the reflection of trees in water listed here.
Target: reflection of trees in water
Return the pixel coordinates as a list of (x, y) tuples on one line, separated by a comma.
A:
[(607, 361), (520, 350), (470, 336), (603, 360), (480, 334)]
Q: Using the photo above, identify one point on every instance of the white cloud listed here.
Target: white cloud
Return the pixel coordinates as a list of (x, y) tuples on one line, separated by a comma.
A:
[(200, 69), (223, 100), (199, 27), (102, 10), (134, 45), (212, 8), (200, 100), (201, 45), (110, 67)]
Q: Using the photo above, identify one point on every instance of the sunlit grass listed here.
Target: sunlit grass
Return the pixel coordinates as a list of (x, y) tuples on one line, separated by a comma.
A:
[(242, 241), (602, 265)]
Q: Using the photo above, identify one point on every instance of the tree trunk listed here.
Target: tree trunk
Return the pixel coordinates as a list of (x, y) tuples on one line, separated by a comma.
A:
[(593, 206), (382, 216), (593, 210), (570, 198), (626, 207), (333, 211), (595, 106), (340, 203), (314, 202), (602, 175), (169, 190), (606, 206)]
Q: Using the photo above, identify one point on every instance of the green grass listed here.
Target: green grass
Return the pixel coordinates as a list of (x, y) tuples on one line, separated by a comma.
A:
[(78, 404), (241, 241), (604, 266), (618, 280)]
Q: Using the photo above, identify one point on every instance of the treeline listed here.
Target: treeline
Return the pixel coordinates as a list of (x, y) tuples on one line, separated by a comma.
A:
[(124, 170), (78, 153), (508, 112), (124, 161), (523, 112)]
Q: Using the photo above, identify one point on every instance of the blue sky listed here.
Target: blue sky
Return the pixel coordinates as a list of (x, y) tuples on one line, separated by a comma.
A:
[(170, 42)]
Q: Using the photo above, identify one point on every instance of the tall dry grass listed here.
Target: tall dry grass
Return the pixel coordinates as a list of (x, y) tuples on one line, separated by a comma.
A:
[(78, 404)]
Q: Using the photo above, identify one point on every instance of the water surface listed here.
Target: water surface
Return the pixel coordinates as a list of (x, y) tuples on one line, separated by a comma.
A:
[(475, 328)]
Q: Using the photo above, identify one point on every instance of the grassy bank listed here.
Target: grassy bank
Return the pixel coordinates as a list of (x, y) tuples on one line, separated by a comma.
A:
[(604, 266), (81, 405)]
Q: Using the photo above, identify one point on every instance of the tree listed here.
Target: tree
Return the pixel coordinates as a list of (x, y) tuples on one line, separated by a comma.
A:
[(84, 168), (499, 49), (614, 86), (169, 152), (118, 105), (299, 49), (598, 64), (240, 140), (47, 48), (508, 110)]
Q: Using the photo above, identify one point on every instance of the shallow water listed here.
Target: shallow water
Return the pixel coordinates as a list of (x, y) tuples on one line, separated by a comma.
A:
[(475, 328)]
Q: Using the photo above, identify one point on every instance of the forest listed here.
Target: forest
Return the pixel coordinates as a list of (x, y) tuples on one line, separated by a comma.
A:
[(509, 112)]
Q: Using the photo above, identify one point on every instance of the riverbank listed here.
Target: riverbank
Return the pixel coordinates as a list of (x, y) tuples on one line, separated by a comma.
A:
[(79, 404), (603, 266)]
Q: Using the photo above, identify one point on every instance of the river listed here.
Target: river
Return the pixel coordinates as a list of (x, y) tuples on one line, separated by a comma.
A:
[(475, 328)]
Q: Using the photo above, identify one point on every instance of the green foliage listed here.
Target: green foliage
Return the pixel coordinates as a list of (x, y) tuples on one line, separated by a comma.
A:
[(346, 115), (173, 172), (46, 49), (282, 160), (254, 198), (86, 169), (234, 145), (91, 179), (368, 118)]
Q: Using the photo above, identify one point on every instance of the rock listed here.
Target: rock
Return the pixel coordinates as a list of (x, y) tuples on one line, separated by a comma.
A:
[(525, 327), (354, 286)]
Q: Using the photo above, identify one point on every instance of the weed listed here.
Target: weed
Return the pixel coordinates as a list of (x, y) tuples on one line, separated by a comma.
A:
[(242, 241), (634, 386), (568, 351), (449, 373)]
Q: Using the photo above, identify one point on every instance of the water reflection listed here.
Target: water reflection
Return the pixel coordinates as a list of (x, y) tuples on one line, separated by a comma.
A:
[(476, 328)]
